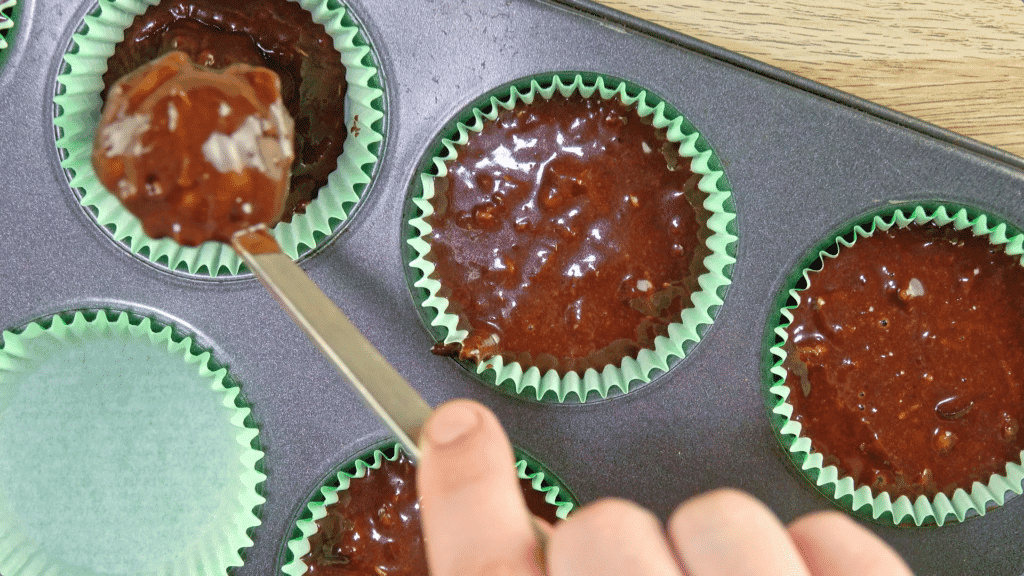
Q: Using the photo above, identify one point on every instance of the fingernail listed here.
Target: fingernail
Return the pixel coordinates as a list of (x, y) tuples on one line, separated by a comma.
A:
[(451, 424)]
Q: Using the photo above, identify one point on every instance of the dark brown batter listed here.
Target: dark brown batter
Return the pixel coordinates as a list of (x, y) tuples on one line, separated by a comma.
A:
[(275, 34), (5, 21), (197, 154), (374, 528), (564, 234), (906, 360)]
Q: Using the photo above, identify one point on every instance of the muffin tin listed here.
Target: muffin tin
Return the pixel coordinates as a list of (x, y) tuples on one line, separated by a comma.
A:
[(801, 160)]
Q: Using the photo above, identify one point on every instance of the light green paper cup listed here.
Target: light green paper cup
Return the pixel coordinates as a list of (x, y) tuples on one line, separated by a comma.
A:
[(713, 281), (78, 107), (298, 546), (124, 451), (7, 8), (862, 501)]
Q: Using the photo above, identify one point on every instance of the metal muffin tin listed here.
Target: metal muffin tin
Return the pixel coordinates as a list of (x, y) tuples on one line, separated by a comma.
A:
[(801, 159)]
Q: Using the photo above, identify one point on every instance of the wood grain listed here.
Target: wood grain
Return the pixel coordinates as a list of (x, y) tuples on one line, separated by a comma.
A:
[(958, 64)]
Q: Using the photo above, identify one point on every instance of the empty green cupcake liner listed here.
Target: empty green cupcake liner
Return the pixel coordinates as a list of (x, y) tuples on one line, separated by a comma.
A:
[(124, 450), (862, 501), (78, 107), (528, 469), (682, 335)]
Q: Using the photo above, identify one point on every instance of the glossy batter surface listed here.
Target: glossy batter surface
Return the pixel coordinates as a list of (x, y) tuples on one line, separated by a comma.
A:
[(564, 234), (906, 360), (374, 528), (274, 34), (197, 154)]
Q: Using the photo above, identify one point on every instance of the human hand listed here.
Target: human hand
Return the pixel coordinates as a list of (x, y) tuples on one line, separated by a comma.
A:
[(475, 523)]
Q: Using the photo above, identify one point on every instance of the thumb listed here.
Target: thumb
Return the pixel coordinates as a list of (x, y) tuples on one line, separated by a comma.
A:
[(475, 521)]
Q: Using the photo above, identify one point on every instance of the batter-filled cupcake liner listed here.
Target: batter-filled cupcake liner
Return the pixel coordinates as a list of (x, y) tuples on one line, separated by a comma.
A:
[(718, 247), (298, 546), (7, 8), (77, 114), (880, 506), (124, 450)]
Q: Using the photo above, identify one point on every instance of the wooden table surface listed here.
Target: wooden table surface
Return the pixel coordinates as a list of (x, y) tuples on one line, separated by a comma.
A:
[(958, 64)]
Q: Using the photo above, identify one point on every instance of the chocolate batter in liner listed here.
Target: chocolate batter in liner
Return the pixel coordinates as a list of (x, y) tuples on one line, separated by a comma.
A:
[(611, 348), (931, 448), (78, 102), (365, 519), (274, 34)]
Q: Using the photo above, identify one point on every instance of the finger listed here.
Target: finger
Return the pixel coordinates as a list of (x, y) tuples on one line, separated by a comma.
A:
[(475, 520), (610, 538), (730, 533), (832, 544)]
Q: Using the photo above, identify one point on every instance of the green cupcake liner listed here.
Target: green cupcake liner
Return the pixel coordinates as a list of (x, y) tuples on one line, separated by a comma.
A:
[(862, 501), (6, 21), (305, 527), (124, 451), (78, 107), (682, 335)]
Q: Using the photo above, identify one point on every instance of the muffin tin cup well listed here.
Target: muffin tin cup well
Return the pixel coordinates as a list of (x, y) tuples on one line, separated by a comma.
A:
[(718, 235), (329, 494), (862, 501), (124, 449), (77, 114)]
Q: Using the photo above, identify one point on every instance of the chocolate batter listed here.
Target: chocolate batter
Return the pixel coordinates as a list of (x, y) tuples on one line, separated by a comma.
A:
[(196, 154), (5, 21), (536, 503), (275, 34), (374, 528), (564, 234), (906, 360)]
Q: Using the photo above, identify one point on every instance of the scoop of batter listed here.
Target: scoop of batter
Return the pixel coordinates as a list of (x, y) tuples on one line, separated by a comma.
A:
[(197, 154)]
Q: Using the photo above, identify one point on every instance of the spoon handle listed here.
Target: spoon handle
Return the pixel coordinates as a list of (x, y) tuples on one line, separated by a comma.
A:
[(379, 385)]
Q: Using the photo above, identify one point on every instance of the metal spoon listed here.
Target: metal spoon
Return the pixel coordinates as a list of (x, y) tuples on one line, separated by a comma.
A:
[(379, 385)]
